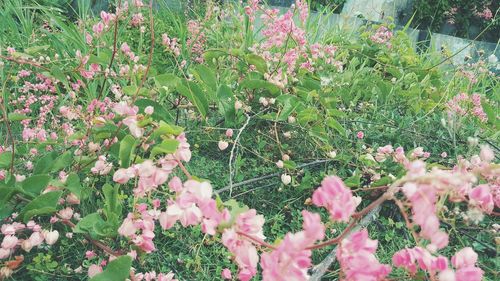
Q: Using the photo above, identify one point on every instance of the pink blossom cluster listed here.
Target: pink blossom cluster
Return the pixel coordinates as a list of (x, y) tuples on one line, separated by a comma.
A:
[(245, 253), (251, 9), (464, 262), (382, 35), (192, 205), (463, 104), (151, 276), (172, 44), (291, 260), (196, 40), (356, 255), (485, 14), (336, 198), (140, 226), (11, 237)]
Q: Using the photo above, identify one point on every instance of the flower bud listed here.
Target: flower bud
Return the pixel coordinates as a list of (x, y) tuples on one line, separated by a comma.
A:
[(286, 179), (223, 145)]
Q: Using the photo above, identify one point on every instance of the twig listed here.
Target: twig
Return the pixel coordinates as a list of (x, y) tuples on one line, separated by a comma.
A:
[(115, 39), (245, 182), (256, 240), (96, 243), (320, 269), (231, 172)]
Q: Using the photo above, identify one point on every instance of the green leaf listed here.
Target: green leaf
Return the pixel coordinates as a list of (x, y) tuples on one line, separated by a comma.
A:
[(86, 224), (334, 124), (35, 184), (44, 165), (5, 159), (13, 116), (62, 161), (132, 91), (212, 54), (74, 186), (167, 146), (254, 84), (112, 204), (258, 61), (166, 80), (6, 193), (117, 270), (160, 113), (195, 95), (166, 129), (307, 115), (41, 205), (127, 148), (354, 180), (290, 104), (226, 104), (289, 164), (205, 75)]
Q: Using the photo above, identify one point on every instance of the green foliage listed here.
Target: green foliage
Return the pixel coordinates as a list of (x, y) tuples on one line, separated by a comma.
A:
[(117, 270)]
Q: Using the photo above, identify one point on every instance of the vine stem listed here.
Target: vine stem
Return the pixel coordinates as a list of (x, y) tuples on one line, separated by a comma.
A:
[(96, 243), (256, 240), (231, 157), (113, 54), (184, 170)]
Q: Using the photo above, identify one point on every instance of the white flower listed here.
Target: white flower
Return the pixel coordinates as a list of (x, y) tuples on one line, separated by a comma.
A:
[(51, 237), (332, 154), (492, 59), (286, 179)]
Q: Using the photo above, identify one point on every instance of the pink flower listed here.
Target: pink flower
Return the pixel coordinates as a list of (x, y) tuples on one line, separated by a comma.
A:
[(66, 213), (223, 145), (149, 110), (94, 269), (357, 259), (336, 198), (98, 28), (122, 176), (229, 133), (4, 253), (36, 239), (128, 228), (226, 274), (90, 254), (251, 223), (360, 135), (464, 258), (9, 242), (481, 197)]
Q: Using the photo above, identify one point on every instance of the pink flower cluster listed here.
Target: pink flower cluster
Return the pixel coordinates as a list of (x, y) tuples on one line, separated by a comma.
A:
[(245, 253), (171, 44), (11, 240), (193, 204), (460, 104), (196, 40), (143, 222), (383, 35), (356, 255), (464, 262), (291, 260), (336, 198)]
